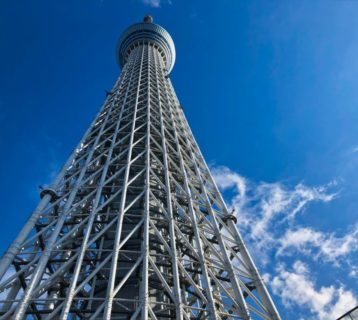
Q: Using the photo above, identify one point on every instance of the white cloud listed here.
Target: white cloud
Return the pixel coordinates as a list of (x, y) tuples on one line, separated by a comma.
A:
[(267, 215), (297, 288), (353, 270), (155, 3), (152, 3), (327, 245), (226, 179), (263, 205)]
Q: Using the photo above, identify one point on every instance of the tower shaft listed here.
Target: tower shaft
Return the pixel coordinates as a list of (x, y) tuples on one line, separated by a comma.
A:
[(134, 227)]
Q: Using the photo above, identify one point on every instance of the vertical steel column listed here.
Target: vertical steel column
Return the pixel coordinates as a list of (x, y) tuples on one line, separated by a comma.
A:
[(261, 288), (228, 265), (198, 241), (179, 310), (144, 294), (114, 262), (70, 293), (258, 281)]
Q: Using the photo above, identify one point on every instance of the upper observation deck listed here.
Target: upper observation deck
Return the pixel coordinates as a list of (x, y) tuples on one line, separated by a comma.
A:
[(146, 32)]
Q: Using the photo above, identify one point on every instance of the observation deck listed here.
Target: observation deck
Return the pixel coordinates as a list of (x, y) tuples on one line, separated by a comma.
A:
[(146, 32)]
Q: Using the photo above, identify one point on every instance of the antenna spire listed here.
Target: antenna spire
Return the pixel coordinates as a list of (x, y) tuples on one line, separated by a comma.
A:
[(148, 19)]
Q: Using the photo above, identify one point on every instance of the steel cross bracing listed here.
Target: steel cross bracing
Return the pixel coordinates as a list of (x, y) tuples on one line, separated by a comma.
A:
[(134, 226)]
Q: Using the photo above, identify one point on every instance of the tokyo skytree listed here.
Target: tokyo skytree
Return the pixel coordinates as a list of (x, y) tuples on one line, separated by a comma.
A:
[(134, 226)]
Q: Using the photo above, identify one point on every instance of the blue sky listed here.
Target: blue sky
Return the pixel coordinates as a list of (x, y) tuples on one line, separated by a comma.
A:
[(270, 91)]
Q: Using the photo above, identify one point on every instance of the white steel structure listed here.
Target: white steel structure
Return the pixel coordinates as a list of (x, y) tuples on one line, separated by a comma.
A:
[(134, 227)]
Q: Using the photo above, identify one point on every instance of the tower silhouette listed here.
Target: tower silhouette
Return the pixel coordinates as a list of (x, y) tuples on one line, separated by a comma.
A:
[(134, 227)]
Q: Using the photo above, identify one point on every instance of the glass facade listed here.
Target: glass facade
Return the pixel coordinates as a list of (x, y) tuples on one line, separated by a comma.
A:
[(351, 315)]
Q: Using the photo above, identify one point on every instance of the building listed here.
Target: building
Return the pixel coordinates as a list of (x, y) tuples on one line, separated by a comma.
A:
[(350, 315), (134, 227)]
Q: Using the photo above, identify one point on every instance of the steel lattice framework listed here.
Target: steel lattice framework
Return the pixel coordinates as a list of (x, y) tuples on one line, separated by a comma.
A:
[(134, 227)]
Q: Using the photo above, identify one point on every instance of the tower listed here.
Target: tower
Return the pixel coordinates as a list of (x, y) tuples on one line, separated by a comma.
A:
[(134, 227)]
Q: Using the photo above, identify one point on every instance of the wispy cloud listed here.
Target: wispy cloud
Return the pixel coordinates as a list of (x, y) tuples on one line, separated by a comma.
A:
[(268, 217), (319, 244), (155, 3), (261, 207), (152, 3), (267, 212), (296, 287)]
